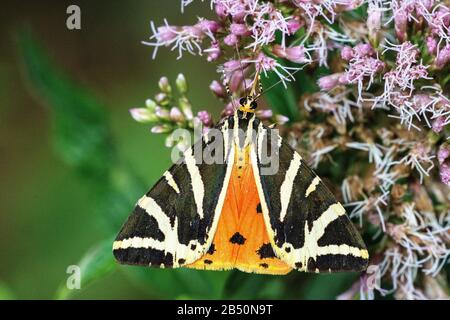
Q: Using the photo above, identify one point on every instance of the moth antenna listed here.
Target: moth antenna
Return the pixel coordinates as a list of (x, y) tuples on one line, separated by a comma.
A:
[(274, 85), (260, 85), (227, 88), (242, 69)]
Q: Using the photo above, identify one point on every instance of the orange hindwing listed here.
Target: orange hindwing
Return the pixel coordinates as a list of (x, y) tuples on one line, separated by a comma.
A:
[(241, 240)]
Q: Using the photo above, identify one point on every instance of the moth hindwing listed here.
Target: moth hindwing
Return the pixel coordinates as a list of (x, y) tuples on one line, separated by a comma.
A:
[(232, 214)]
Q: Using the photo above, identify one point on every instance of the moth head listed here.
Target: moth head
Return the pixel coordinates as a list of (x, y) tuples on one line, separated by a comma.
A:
[(248, 104)]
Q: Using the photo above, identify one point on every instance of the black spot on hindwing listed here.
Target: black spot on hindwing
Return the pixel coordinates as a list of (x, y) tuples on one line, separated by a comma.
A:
[(237, 238), (211, 249), (266, 251), (258, 208)]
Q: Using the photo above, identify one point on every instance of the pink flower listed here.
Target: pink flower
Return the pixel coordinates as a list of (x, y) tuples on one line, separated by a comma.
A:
[(240, 29), (329, 82), (295, 54), (236, 80), (443, 153), (445, 173), (293, 26), (401, 25), (407, 69), (217, 89), (228, 110), (438, 124), (185, 38), (264, 114), (349, 5), (374, 14), (431, 45), (265, 64), (208, 26), (205, 118), (166, 34), (213, 51), (443, 57), (364, 50), (221, 10), (347, 53), (231, 40), (238, 11)]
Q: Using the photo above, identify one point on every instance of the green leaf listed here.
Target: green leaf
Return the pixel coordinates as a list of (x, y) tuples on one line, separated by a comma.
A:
[(5, 292), (179, 283), (328, 286), (253, 286), (96, 263), (82, 137)]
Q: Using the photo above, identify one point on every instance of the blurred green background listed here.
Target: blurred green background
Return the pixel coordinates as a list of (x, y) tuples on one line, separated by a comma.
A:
[(73, 162)]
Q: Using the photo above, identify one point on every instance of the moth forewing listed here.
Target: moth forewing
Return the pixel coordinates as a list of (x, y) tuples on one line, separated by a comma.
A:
[(308, 227), (174, 223)]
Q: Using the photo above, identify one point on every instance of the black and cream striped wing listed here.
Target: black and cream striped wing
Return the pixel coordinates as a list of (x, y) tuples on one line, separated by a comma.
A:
[(310, 230), (174, 223)]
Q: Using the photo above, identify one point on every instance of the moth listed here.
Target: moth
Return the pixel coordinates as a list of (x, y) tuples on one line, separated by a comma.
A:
[(236, 214)]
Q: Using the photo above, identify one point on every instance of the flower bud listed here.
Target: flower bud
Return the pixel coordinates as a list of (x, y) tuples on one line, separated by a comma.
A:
[(221, 11), (329, 82), (176, 115), (438, 124), (239, 29), (208, 26), (186, 107), (164, 85), (162, 113), (347, 53), (295, 54), (181, 84), (231, 40), (374, 18), (150, 104), (217, 89), (294, 25), (205, 118), (364, 50), (142, 115), (280, 119), (161, 129), (443, 57), (444, 172), (213, 52), (264, 114), (443, 153), (432, 45), (401, 25), (162, 99)]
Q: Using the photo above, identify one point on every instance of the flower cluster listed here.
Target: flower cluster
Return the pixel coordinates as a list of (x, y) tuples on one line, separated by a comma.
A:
[(170, 111), (380, 111)]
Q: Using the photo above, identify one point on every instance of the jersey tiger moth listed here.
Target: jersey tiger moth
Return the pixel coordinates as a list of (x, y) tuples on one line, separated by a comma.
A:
[(220, 216)]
